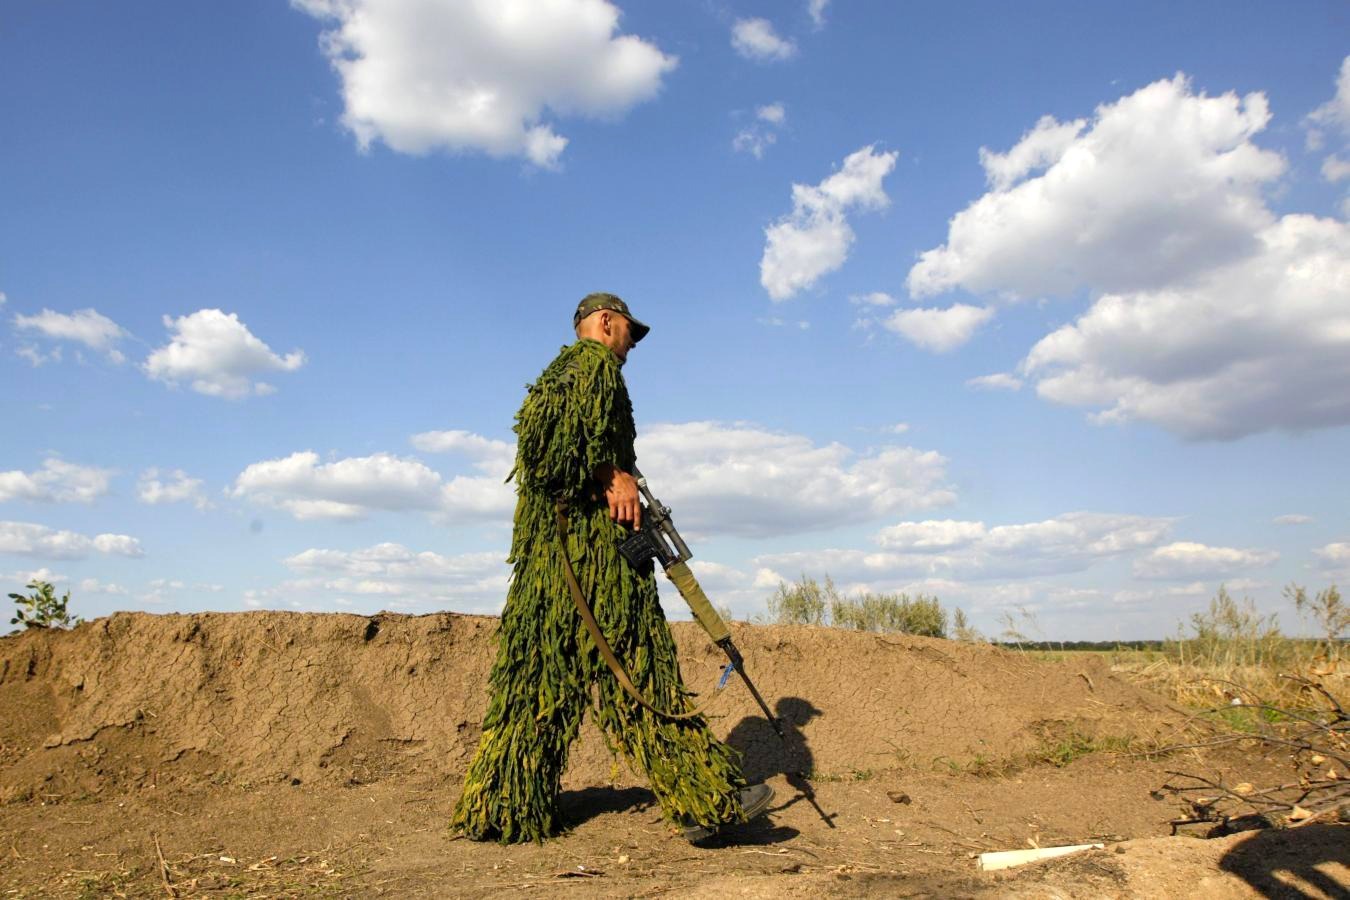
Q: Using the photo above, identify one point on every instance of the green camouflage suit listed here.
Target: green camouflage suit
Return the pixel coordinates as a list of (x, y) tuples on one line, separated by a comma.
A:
[(576, 417)]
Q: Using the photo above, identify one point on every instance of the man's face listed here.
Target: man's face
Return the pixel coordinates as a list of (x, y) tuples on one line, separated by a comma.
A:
[(618, 337)]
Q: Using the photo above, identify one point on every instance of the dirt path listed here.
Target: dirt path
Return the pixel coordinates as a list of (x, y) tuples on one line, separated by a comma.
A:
[(388, 838)]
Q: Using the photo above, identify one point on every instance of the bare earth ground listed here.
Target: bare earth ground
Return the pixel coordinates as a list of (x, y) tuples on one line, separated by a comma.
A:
[(273, 754)]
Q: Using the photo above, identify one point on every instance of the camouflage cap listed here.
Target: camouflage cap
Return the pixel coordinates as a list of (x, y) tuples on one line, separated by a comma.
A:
[(593, 302)]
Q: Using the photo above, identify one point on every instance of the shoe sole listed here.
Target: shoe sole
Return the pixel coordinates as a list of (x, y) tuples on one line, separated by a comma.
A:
[(761, 807), (695, 833)]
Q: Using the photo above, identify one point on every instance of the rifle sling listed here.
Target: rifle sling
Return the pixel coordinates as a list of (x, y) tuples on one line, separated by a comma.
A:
[(593, 628)]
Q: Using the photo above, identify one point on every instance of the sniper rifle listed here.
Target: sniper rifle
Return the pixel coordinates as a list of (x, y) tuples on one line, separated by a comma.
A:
[(657, 539)]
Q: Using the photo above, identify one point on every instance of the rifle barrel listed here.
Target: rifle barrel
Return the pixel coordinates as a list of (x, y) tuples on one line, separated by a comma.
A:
[(738, 663)]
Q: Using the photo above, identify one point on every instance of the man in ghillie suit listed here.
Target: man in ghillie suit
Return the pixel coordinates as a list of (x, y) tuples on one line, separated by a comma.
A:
[(575, 455)]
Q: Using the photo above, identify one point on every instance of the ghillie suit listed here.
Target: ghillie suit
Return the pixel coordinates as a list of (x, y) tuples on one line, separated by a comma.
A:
[(575, 418)]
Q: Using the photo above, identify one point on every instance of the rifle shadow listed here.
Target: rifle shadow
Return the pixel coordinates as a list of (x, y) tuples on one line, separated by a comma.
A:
[(1293, 864), (764, 754)]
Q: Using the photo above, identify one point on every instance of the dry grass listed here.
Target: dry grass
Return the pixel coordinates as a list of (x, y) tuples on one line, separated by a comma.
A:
[(1197, 684), (1232, 655)]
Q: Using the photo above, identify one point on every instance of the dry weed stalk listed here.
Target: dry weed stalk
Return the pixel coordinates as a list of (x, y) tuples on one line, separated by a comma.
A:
[(1319, 739)]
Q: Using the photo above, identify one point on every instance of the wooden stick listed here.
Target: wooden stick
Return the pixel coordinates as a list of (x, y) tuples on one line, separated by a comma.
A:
[(164, 868)]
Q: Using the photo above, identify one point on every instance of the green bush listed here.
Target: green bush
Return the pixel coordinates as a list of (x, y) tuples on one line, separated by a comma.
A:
[(803, 603), (891, 612), (809, 603), (42, 608), (1230, 633), (1328, 612)]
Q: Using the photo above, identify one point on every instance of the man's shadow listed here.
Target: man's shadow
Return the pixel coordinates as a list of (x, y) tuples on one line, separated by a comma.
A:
[(764, 754), (578, 807), (1263, 858)]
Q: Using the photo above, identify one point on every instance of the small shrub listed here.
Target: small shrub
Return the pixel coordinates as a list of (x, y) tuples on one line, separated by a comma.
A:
[(803, 603), (962, 630), (808, 602), (42, 609), (1328, 612), (1232, 634), (890, 613)]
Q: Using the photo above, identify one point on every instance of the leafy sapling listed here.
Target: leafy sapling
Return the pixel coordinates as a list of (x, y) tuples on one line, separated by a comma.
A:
[(42, 609)]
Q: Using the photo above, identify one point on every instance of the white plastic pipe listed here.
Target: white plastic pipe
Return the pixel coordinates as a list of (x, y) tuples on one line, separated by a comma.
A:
[(1006, 859)]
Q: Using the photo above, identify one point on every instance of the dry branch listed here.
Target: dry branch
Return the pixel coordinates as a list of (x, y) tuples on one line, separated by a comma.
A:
[(164, 869), (1314, 738)]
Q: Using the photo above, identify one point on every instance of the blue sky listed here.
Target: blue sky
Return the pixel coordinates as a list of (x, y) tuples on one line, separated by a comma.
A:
[(1041, 307)]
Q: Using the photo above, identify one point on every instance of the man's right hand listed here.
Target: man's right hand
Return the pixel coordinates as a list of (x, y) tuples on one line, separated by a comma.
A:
[(621, 493)]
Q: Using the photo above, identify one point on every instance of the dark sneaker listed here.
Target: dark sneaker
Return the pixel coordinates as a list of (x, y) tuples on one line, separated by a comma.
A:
[(755, 801)]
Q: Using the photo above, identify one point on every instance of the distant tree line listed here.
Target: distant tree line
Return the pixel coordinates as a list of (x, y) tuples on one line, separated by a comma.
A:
[(1158, 645)]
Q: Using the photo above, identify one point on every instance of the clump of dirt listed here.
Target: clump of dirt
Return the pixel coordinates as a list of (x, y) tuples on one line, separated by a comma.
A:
[(258, 697)]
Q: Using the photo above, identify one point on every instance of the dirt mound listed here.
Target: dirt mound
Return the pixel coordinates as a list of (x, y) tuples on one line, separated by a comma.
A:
[(289, 755), (138, 699)]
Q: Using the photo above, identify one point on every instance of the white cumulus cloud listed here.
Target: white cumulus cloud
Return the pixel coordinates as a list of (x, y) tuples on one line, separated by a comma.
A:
[(723, 479), (36, 357), (814, 239), (1253, 346), (756, 39), (931, 535), (481, 496), (346, 489), (94, 586), (217, 355), (482, 76), (491, 456), (84, 326), (118, 545), (873, 300), (1211, 317), (939, 330), (56, 482), (390, 576), (24, 577), (957, 550), (816, 10), (1186, 559), (1162, 184), (1038, 149), (30, 539), (157, 486), (354, 487), (1335, 169), (1292, 519), (999, 381), (1334, 556), (762, 133), (1335, 113), (740, 479)]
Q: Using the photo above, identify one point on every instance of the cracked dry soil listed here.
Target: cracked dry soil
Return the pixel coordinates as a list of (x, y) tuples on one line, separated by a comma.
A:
[(279, 754)]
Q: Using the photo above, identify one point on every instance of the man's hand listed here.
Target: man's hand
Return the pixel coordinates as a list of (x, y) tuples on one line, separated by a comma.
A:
[(621, 493)]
